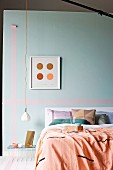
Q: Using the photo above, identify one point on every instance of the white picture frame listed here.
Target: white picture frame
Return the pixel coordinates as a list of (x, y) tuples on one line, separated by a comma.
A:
[(45, 72)]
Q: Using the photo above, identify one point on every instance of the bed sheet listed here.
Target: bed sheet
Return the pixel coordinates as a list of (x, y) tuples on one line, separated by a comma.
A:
[(61, 126), (90, 149)]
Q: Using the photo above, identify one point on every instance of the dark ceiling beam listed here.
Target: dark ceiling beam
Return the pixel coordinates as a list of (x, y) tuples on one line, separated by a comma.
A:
[(89, 8)]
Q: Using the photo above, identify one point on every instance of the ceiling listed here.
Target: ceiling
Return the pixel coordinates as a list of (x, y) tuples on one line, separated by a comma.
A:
[(57, 5)]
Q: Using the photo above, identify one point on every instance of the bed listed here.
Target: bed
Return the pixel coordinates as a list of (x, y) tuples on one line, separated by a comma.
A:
[(63, 146)]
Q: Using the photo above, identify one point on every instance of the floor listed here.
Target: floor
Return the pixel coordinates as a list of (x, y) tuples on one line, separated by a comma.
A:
[(16, 163)]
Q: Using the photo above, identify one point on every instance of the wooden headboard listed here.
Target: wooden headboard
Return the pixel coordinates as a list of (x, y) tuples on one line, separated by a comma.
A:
[(48, 118)]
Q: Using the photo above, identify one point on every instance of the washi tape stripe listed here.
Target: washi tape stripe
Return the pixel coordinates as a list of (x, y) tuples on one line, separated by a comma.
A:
[(13, 81)]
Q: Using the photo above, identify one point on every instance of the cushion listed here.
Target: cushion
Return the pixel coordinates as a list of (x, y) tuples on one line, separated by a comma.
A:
[(101, 119), (80, 121), (60, 114), (89, 115), (59, 121), (109, 116)]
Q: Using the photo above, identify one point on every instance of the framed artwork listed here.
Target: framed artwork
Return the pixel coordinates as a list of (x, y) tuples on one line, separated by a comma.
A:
[(29, 138), (45, 72)]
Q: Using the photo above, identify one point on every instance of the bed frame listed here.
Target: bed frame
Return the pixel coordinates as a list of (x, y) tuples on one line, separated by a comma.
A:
[(48, 119)]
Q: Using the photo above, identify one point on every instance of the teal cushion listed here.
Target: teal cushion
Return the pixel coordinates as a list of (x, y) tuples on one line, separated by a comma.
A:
[(81, 121), (60, 121)]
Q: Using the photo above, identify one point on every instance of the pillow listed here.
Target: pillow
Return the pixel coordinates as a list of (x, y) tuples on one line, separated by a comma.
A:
[(109, 116), (60, 114), (89, 115), (80, 121), (101, 119), (59, 121)]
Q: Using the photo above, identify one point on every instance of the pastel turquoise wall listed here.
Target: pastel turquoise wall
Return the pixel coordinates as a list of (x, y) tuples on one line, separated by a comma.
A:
[(85, 43)]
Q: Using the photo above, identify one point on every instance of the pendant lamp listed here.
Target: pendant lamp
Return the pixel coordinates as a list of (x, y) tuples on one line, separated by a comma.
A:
[(25, 116)]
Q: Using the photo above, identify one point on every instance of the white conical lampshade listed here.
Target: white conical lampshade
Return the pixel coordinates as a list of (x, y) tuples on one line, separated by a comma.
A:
[(25, 116)]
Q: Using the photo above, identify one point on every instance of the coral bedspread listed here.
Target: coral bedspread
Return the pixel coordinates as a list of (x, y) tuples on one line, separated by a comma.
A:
[(90, 149)]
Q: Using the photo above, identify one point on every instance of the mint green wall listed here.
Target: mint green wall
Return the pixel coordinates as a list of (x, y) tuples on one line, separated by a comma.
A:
[(85, 43)]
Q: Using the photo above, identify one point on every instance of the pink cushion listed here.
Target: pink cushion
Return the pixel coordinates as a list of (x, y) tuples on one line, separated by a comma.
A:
[(55, 114)]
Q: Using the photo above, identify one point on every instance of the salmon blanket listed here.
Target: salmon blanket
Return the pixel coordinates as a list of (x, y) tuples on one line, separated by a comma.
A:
[(90, 149)]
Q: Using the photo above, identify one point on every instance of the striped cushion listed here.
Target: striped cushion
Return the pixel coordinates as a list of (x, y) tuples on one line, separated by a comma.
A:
[(89, 115)]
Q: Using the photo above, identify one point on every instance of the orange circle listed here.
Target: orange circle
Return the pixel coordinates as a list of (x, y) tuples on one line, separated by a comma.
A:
[(49, 66), (50, 76), (40, 76), (39, 66)]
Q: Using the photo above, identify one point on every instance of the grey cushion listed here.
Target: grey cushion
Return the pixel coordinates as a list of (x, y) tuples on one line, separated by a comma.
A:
[(101, 119), (105, 117)]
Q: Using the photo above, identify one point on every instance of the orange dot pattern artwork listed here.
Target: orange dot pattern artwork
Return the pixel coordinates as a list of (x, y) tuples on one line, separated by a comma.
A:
[(49, 76)]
